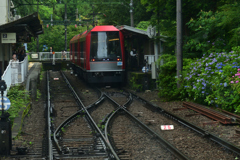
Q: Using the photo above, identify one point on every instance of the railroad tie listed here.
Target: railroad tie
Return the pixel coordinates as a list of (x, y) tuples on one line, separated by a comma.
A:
[(210, 123)]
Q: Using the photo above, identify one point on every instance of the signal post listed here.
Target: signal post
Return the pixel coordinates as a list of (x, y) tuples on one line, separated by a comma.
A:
[(5, 124)]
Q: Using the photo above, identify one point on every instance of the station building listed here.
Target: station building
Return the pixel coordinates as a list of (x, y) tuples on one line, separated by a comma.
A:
[(15, 29)]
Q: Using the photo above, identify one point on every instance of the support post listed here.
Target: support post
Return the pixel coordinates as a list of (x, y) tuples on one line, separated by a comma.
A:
[(179, 41), (2, 103), (33, 85), (37, 35), (5, 126), (131, 13), (65, 27)]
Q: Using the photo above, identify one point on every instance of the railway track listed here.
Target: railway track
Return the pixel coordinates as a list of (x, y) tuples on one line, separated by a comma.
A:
[(224, 145), (102, 110), (120, 100), (87, 123), (74, 134), (152, 116), (134, 140)]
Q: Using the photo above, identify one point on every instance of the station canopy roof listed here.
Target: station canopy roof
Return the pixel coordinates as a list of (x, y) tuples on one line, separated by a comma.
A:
[(25, 27), (129, 31)]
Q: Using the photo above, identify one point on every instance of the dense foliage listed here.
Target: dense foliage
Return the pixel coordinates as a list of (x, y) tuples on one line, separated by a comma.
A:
[(54, 36), (212, 80), (214, 31), (166, 78), (19, 98), (210, 36)]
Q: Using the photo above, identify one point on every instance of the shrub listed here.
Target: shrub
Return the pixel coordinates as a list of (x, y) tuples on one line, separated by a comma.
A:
[(212, 80), (19, 99), (166, 77)]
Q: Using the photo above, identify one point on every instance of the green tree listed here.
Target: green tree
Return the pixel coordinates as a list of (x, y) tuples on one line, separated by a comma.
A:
[(118, 14), (214, 32), (164, 17), (54, 36)]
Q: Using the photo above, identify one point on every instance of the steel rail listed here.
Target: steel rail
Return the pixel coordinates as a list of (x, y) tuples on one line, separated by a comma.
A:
[(127, 103), (49, 109), (63, 124), (114, 102), (209, 113), (91, 121), (112, 115), (199, 130), (100, 99), (164, 143)]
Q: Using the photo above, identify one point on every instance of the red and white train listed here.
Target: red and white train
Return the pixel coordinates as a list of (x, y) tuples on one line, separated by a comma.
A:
[(97, 55)]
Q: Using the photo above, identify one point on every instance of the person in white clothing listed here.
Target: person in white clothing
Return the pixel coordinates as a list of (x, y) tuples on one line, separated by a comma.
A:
[(14, 65), (133, 59)]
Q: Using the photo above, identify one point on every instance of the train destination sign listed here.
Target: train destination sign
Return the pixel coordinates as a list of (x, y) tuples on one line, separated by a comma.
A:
[(6, 103)]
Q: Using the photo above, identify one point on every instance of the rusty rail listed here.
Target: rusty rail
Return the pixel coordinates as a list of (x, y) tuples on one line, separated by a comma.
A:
[(209, 113), (233, 116)]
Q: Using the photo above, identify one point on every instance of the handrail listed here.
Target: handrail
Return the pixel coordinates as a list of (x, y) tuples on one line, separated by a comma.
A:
[(15, 74), (46, 56)]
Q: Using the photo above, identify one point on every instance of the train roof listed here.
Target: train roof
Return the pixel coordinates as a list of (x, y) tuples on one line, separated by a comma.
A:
[(104, 28), (95, 29)]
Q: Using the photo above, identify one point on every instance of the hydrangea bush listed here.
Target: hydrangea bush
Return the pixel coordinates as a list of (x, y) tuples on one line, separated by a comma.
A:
[(214, 79)]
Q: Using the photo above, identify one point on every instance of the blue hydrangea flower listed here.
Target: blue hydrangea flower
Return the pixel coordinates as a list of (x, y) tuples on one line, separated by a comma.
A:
[(225, 84)]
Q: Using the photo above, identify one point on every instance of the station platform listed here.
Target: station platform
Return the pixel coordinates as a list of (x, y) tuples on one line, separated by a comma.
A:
[(34, 69)]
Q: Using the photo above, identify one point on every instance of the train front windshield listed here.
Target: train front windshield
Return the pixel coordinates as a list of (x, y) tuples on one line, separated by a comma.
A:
[(105, 46)]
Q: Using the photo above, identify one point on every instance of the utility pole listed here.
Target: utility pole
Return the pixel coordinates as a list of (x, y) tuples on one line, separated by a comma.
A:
[(37, 35), (65, 24), (76, 13), (179, 42), (131, 13)]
